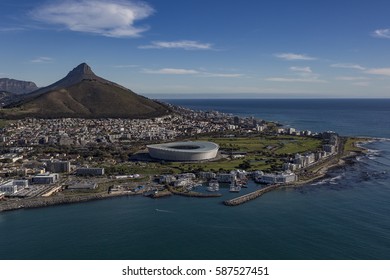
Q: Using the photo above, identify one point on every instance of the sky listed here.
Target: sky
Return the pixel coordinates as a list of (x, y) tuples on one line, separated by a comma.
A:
[(204, 48)]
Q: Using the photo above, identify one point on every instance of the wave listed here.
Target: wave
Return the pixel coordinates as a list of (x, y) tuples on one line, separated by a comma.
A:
[(359, 158), (164, 211), (332, 181), (380, 139)]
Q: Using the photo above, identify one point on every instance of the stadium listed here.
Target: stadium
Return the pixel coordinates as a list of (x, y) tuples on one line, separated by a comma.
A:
[(184, 151)]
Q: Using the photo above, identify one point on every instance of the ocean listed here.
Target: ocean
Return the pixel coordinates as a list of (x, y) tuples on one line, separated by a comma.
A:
[(343, 216)]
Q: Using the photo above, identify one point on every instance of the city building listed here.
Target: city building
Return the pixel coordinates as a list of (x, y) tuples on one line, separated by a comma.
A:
[(184, 151), (226, 177), (329, 148), (207, 175), (45, 178), (281, 178), (167, 179), (84, 171), (58, 166), (7, 158), (13, 186)]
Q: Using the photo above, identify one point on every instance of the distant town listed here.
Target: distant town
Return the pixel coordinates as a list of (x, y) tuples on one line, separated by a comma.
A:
[(53, 161)]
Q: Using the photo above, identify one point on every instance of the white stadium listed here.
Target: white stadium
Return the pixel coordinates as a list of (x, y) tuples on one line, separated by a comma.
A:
[(184, 151)]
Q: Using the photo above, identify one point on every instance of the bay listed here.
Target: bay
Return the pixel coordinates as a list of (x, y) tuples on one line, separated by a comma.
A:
[(344, 216)]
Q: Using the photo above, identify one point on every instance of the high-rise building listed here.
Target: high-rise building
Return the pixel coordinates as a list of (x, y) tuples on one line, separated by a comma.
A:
[(58, 166)]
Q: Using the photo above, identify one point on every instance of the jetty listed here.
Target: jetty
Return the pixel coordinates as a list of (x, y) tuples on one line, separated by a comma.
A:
[(250, 196)]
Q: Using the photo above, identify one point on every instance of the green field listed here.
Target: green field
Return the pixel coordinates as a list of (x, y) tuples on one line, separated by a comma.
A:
[(350, 145), (262, 153)]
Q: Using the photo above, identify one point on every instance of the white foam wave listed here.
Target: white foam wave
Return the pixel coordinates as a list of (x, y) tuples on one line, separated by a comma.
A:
[(359, 158), (332, 181), (164, 211)]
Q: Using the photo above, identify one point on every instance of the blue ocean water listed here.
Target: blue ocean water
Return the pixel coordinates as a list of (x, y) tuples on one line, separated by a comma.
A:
[(344, 216), (356, 117)]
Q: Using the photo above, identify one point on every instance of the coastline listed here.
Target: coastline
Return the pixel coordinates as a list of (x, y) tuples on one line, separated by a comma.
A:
[(322, 171), (337, 162), (39, 202)]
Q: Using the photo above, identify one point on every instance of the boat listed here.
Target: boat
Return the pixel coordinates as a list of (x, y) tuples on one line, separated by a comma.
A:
[(234, 187), (242, 183), (213, 186)]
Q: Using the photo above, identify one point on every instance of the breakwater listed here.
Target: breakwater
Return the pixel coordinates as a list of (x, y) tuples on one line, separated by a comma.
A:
[(51, 201), (250, 196), (193, 194)]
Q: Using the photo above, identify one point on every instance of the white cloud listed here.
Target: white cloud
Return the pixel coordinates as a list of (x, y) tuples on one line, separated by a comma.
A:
[(42, 59), (171, 71), (125, 66), (180, 71), (361, 84), (295, 80), (11, 29), (185, 45), (378, 71), (348, 78), (382, 33), (348, 65), (223, 75), (111, 18), (294, 56), (301, 69)]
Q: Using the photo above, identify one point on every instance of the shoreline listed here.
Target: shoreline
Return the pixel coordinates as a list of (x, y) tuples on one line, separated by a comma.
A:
[(39, 202), (323, 171)]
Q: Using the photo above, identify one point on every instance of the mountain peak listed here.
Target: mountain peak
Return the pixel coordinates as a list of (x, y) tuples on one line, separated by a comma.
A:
[(82, 71), (82, 94)]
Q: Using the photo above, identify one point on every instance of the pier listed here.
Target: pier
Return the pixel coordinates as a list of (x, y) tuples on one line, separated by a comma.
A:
[(250, 196)]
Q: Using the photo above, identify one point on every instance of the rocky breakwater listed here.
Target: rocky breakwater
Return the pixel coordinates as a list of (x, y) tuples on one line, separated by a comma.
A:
[(250, 196), (193, 194), (51, 201)]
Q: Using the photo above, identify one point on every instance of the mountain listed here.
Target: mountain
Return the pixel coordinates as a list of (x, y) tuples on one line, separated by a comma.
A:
[(16, 86), (82, 94)]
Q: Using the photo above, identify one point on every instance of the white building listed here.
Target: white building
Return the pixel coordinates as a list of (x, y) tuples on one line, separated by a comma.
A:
[(207, 175), (305, 160), (226, 177), (186, 176), (167, 179), (282, 178), (291, 130), (291, 166), (13, 186), (184, 151), (183, 182)]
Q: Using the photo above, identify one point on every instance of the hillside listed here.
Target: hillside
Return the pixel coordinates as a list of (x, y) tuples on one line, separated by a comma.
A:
[(16, 86), (82, 94)]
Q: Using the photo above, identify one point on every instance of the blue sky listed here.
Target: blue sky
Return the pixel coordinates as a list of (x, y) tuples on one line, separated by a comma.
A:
[(204, 48)]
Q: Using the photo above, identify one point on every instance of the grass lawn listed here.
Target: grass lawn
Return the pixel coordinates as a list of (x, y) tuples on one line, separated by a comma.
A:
[(350, 145), (277, 144), (262, 153)]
